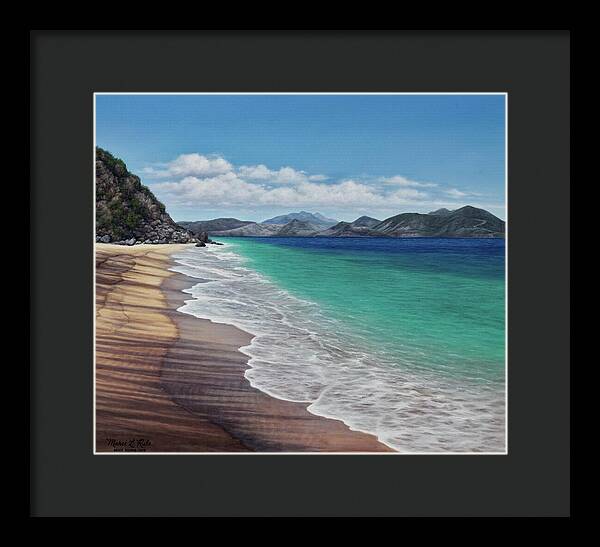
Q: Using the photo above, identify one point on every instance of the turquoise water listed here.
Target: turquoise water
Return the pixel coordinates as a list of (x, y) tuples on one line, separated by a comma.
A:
[(401, 338), (437, 302)]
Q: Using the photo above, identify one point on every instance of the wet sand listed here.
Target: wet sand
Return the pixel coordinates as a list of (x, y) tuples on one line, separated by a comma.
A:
[(170, 382)]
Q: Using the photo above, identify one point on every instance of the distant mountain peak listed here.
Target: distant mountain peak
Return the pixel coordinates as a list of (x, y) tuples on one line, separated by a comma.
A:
[(365, 221), (214, 225), (304, 216), (297, 227), (442, 211), (322, 217)]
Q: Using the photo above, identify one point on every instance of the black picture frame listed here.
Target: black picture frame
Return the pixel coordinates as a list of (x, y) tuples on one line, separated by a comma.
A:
[(67, 67)]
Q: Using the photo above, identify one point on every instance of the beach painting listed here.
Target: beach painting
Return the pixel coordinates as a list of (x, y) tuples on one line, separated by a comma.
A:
[(293, 273)]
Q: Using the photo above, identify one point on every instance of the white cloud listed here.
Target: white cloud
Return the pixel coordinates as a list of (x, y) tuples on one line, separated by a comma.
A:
[(285, 175), (456, 193), (399, 180), (192, 165), (256, 172), (408, 193), (231, 190)]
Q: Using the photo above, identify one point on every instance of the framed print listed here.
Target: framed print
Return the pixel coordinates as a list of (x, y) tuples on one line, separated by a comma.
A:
[(299, 265)]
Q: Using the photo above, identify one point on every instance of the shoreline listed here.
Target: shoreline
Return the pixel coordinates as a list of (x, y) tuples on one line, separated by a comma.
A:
[(181, 384)]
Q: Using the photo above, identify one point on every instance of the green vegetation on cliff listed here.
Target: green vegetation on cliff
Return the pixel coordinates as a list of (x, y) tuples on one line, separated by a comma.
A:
[(126, 210)]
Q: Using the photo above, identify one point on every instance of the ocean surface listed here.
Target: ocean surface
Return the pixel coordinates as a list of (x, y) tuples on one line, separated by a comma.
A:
[(401, 338)]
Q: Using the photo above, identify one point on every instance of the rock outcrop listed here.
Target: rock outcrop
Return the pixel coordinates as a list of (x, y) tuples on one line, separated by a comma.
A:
[(127, 212)]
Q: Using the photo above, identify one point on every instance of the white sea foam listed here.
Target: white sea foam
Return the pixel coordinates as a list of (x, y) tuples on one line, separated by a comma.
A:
[(299, 354)]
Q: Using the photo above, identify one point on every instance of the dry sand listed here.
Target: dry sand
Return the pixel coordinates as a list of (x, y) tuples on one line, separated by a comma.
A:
[(170, 382)]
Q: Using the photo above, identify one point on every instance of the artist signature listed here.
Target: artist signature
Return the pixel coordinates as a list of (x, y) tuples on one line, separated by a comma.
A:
[(129, 445)]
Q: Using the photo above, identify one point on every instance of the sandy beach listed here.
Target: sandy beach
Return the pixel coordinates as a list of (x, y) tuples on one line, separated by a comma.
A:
[(170, 382)]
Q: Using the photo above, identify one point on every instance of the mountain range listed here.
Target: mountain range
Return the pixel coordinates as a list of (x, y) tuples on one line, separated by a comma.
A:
[(464, 222), (467, 221)]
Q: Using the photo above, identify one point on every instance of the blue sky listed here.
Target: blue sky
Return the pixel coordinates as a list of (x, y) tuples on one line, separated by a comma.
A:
[(256, 156)]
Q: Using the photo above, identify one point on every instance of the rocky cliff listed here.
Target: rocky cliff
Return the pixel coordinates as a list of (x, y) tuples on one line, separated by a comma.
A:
[(127, 212)]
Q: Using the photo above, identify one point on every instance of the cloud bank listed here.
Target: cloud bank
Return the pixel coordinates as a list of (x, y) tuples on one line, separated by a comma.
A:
[(196, 180)]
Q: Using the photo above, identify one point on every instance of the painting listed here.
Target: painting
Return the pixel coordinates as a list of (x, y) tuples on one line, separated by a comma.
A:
[(300, 273)]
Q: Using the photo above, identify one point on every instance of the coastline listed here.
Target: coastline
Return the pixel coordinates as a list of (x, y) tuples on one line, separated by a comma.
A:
[(178, 381)]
